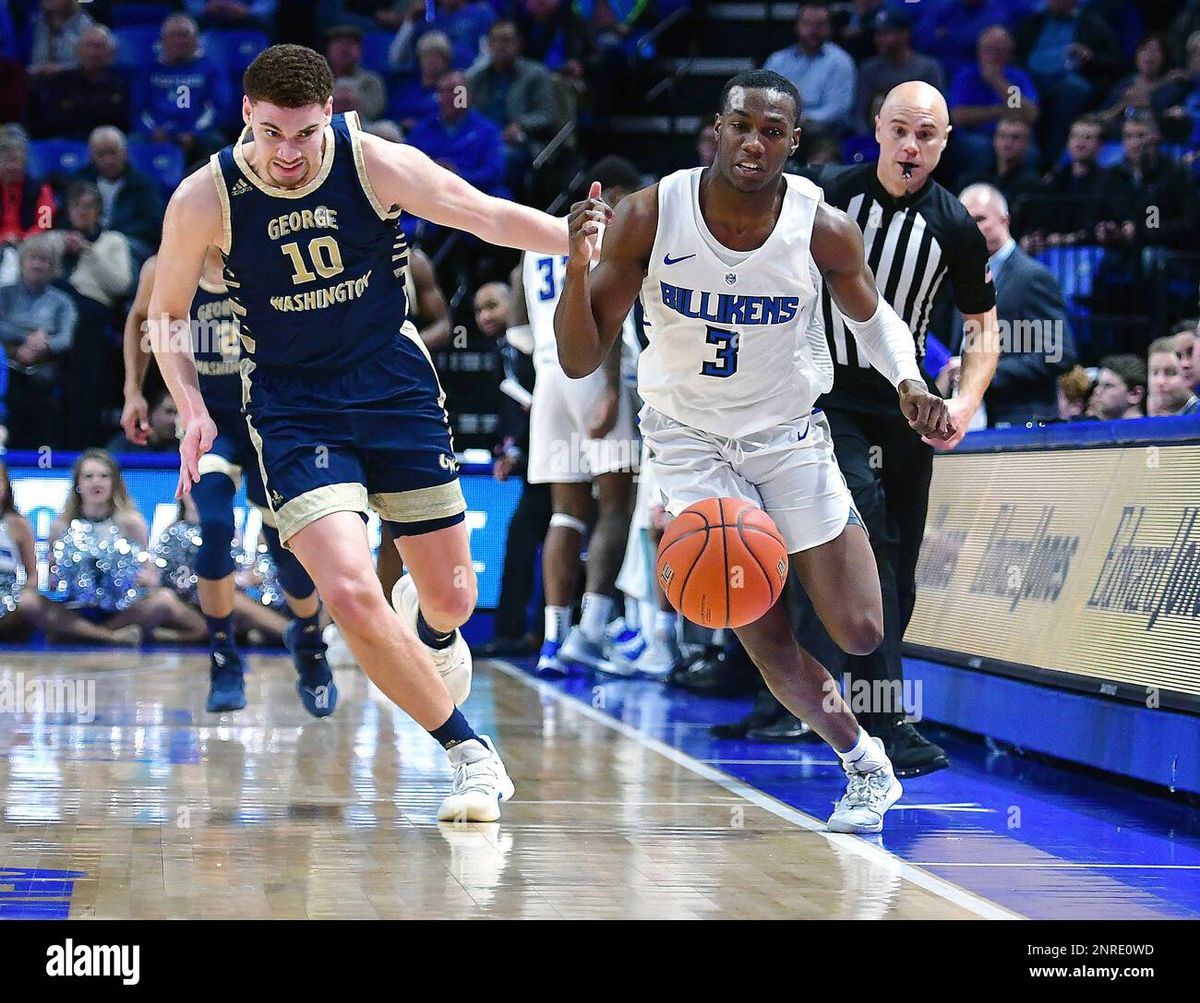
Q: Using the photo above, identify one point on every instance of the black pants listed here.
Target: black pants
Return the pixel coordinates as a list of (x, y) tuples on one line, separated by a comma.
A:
[(888, 469), (530, 521)]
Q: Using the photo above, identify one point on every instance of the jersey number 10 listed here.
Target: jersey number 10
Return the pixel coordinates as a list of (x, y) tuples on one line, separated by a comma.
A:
[(326, 258), (725, 363)]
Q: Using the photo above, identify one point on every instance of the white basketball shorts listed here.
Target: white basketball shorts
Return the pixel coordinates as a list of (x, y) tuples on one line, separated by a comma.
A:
[(563, 410), (787, 470)]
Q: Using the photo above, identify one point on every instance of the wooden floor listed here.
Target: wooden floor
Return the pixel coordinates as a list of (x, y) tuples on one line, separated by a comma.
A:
[(166, 811)]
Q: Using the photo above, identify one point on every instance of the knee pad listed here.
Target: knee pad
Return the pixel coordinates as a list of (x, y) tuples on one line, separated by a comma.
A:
[(288, 569), (569, 522), (214, 501)]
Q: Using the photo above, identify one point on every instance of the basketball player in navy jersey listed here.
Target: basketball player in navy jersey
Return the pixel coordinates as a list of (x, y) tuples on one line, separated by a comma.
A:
[(341, 398), (217, 352), (729, 262)]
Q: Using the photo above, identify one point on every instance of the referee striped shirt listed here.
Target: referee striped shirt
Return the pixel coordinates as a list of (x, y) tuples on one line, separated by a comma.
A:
[(919, 247)]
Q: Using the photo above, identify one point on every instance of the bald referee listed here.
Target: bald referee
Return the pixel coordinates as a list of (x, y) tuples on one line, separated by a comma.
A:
[(921, 244)]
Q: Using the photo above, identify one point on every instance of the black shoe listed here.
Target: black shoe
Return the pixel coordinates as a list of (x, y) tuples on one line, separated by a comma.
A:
[(720, 675), (766, 709), (678, 674), (507, 647), (910, 753), (784, 730)]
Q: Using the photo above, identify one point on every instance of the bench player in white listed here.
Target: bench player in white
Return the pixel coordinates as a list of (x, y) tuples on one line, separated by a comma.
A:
[(580, 433), (729, 262)]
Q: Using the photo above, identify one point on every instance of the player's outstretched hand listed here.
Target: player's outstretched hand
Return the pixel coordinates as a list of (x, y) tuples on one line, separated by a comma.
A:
[(926, 413), (197, 440), (585, 226), (135, 419)]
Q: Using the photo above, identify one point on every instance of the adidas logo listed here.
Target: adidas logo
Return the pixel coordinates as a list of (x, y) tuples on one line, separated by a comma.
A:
[(276, 499), (219, 659), (239, 188)]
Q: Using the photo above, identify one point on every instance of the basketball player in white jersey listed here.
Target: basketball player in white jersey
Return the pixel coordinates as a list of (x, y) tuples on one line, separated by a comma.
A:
[(580, 434), (729, 262)]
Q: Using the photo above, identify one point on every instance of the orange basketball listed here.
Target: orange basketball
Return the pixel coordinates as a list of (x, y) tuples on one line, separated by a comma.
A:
[(722, 562)]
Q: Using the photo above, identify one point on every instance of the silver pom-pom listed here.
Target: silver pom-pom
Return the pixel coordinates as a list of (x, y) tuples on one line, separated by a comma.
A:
[(11, 583), (94, 567), (175, 557), (265, 587)]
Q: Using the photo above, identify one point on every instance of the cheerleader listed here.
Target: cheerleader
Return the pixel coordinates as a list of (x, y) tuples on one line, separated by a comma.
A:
[(21, 607), (105, 590)]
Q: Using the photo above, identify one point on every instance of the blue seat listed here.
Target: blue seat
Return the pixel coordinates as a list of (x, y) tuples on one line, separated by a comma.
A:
[(50, 156), (136, 45), (163, 161), (375, 45), (1074, 269), (234, 49)]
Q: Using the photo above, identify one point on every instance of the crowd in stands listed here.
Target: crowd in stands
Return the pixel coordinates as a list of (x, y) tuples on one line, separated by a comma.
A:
[(1083, 115)]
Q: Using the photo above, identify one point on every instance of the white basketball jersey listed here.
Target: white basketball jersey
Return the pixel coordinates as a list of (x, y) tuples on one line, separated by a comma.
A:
[(544, 276), (734, 349)]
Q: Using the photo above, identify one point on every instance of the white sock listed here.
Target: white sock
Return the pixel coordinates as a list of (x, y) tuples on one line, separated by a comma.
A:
[(558, 622), (665, 624), (596, 610), (862, 754), (648, 612), (633, 613)]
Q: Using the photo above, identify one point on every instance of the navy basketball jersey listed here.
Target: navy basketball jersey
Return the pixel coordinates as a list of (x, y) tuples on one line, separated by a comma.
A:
[(217, 350), (316, 273)]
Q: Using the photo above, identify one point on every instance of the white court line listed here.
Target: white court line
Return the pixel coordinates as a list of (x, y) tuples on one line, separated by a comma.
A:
[(771, 762), (874, 854)]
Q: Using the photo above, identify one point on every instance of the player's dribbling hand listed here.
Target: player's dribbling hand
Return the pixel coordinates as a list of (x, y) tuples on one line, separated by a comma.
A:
[(961, 411), (196, 441), (585, 226), (927, 413), (135, 419)]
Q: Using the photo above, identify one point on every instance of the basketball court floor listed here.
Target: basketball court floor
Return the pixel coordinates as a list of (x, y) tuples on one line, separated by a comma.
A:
[(626, 808)]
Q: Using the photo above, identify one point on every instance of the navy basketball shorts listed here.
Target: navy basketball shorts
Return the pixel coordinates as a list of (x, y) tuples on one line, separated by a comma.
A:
[(374, 435), (233, 455)]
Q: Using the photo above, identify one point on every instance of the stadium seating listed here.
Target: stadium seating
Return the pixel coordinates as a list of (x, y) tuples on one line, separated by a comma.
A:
[(136, 45), (233, 49), (375, 51), (163, 161), (64, 157)]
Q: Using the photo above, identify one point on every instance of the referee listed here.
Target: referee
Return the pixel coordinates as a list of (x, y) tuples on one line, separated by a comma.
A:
[(920, 243)]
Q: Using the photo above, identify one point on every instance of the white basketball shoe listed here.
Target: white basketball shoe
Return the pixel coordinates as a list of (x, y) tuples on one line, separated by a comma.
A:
[(453, 663), (871, 789), (480, 783)]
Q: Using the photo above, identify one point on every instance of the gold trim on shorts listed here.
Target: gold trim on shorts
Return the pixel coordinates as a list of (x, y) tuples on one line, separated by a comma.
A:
[(305, 509), (440, 501), (211, 463)]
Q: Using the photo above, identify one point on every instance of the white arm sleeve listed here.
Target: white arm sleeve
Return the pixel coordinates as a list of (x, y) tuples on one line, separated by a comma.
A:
[(887, 343)]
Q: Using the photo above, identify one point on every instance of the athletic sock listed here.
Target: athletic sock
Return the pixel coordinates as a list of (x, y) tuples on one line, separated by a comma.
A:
[(558, 623), (596, 610), (455, 731), (633, 613), (309, 630), (432, 638), (220, 632)]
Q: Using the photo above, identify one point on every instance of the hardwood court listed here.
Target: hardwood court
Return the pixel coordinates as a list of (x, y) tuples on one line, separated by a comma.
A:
[(164, 811)]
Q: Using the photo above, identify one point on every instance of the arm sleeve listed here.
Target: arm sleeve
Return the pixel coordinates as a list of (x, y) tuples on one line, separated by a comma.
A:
[(887, 343)]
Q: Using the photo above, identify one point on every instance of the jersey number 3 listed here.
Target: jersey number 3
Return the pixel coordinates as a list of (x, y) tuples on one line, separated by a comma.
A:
[(727, 352), (326, 259)]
